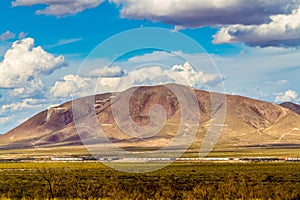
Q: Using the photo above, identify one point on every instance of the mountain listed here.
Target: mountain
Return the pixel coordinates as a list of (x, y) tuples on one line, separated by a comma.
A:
[(292, 106), (248, 122)]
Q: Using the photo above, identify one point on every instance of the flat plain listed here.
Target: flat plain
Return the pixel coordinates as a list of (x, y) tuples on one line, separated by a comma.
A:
[(180, 180)]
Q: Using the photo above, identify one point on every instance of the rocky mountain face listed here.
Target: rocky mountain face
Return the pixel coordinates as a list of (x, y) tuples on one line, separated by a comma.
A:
[(247, 122), (292, 106)]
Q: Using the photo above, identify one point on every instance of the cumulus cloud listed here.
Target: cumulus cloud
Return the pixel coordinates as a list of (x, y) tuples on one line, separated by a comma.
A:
[(185, 74), (72, 86), (23, 64), (29, 89), (287, 96), (283, 30), (196, 78), (28, 103), (60, 8), (196, 13), (256, 22), (7, 35)]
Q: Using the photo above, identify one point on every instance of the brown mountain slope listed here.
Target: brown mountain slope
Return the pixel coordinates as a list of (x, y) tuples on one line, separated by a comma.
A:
[(292, 106), (247, 122)]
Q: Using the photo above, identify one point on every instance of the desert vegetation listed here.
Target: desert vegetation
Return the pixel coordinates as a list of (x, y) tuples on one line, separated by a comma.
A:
[(177, 181)]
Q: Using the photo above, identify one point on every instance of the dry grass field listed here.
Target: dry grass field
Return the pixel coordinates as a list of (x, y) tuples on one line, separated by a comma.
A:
[(177, 181)]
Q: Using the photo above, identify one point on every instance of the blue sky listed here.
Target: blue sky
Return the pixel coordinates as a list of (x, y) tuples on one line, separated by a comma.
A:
[(251, 48)]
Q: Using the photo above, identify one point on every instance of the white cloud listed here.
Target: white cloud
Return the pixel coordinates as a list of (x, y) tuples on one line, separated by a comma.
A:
[(272, 69), (14, 113), (107, 72), (196, 13), (281, 82), (29, 89), (60, 8), (4, 120), (64, 41), (7, 35), (287, 96), (256, 22), (78, 86), (264, 68), (22, 35), (194, 78), (202, 61), (283, 30), (277, 83), (73, 86), (28, 103), (153, 57), (23, 64), (183, 74)]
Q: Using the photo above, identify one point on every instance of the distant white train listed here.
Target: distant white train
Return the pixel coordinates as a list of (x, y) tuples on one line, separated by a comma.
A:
[(153, 159), (66, 159)]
